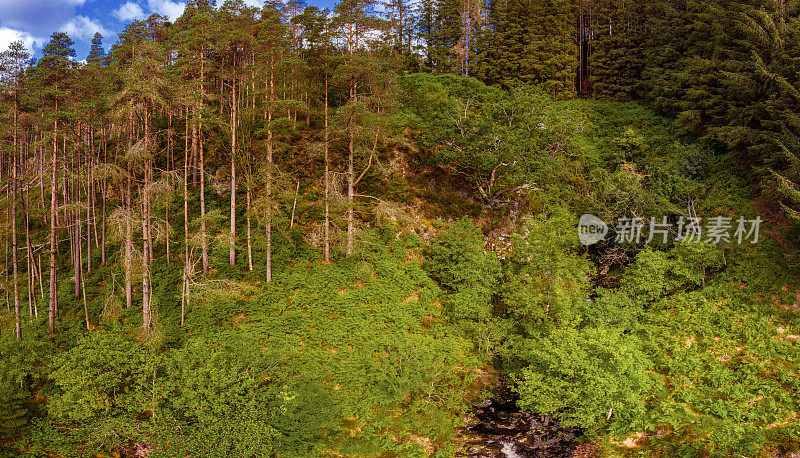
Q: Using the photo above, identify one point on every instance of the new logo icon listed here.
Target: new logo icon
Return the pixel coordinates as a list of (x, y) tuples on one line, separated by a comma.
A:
[(591, 229)]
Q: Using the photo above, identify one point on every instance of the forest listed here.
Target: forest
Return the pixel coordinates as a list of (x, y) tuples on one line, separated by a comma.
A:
[(290, 231)]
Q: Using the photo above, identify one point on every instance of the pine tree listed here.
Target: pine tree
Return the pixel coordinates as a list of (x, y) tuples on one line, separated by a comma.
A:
[(141, 96), (446, 36), (238, 39), (316, 28), (272, 46), (13, 63), (195, 30), (399, 15), (55, 72), (362, 76), (426, 30), (97, 54)]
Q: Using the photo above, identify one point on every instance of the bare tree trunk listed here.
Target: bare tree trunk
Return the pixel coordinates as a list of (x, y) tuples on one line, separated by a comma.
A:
[(128, 236), (42, 160), (85, 305), (249, 239), (294, 205), (232, 256), (350, 179), (145, 261), (308, 109), (171, 167), (65, 196), (104, 191), (5, 248), (14, 256), (193, 161), (352, 44), (89, 209), (327, 181), (146, 236), (14, 192), (53, 305), (76, 247), (41, 277), (203, 239), (269, 171), (32, 271), (95, 160), (185, 295), (83, 285)]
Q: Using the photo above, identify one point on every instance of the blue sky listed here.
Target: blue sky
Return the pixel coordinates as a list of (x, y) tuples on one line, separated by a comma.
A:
[(32, 21)]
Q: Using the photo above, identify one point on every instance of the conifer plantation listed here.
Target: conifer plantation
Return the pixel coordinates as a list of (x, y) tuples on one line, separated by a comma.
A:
[(357, 232)]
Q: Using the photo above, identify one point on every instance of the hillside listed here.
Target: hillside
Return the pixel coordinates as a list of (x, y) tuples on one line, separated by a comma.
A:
[(286, 231), (690, 346)]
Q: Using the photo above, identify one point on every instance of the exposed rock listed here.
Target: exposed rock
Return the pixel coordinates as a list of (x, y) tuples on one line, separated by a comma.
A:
[(499, 429)]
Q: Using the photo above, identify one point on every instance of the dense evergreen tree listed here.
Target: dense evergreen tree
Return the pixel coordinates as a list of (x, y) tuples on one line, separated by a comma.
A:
[(97, 55), (616, 55), (530, 41), (55, 74)]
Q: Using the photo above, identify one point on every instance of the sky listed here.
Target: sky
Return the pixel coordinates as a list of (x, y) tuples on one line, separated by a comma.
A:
[(33, 21)]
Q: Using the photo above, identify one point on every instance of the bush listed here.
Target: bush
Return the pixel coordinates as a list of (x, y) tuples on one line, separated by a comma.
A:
[(458, 261)]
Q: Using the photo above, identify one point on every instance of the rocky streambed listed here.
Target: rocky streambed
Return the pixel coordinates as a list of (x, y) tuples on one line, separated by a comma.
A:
[(499, 429)]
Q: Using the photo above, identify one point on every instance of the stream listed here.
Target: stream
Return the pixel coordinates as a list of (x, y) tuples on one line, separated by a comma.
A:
[(499, 429)]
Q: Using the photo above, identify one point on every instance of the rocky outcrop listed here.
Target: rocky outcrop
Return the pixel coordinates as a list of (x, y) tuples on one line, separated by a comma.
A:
[(499, 429)]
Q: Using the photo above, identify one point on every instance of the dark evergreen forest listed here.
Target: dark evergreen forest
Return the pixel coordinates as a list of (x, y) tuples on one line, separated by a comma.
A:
[(286, 231)]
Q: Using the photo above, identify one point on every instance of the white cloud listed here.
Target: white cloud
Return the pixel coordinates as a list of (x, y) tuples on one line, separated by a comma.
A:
[(8, 36), (167, 8), (10, 3), (128, 12), (82, 28), (251, 3), (37, 17)]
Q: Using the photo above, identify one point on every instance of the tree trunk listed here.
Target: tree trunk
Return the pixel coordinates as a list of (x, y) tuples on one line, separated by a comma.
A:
[(352, 45), (77, 266), (5, 247), (232, 255), (32, 271), (350, 177), (103, 192), (128, 237), (269, 171), (95, 160), (185, 295), (249, 239), (294, 205), (203, 241), (14, 256), (171, 167), (53, 305), (89, 209), (327, 181), (146, 236)]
